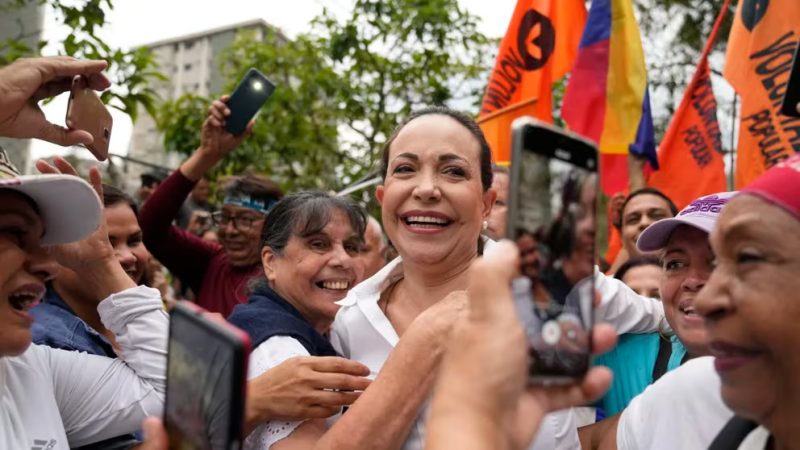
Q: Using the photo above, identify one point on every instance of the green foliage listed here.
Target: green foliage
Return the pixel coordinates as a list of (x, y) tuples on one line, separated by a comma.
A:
[(295, 139), (342, 88), (678, 29), (131, 72), (399, 56)]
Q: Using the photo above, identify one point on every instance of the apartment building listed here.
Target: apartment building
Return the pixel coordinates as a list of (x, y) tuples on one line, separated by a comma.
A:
[(191, 65)]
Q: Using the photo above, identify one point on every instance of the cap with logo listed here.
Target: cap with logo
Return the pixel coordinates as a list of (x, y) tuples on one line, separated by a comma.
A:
[(69, 207), (701, 214)]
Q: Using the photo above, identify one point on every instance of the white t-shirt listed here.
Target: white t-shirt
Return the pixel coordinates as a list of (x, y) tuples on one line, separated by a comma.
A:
[(756, 440), (267, 355), (363, 333), (682, 410), (55, 399)]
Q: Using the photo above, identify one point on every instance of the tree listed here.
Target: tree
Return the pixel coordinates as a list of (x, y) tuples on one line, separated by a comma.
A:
[(399, 56), (674, 33), (131, 71), (343, 87), (295, 139)]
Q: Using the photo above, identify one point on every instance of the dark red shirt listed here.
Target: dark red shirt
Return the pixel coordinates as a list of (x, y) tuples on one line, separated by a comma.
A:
[(202, 265)]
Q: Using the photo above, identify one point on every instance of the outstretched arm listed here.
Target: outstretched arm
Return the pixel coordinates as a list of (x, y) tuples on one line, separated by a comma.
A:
[(382, 417)]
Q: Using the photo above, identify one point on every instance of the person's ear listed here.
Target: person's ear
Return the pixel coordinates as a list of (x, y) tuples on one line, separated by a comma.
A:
[(268, 263), (489, 198), (379, 194)]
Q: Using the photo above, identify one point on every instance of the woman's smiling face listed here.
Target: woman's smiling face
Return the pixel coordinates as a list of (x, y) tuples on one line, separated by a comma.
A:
[(433, 201), (24, 269)]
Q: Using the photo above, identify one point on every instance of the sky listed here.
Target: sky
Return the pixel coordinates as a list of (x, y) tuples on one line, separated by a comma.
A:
[(136, 22)]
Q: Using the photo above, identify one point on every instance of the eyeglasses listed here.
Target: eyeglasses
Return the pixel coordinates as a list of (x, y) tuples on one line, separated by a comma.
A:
[(242, 223)]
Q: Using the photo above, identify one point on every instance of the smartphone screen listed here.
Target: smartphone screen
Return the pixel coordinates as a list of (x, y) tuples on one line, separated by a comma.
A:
[(245, 101), (792, 97), (551, 217), (206, 382)]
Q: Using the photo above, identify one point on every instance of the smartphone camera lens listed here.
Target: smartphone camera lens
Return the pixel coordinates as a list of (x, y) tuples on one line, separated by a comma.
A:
[(106, 133)]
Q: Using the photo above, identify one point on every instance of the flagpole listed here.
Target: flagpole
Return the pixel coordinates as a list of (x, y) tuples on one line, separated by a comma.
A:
[(732, 153), (510, 108)]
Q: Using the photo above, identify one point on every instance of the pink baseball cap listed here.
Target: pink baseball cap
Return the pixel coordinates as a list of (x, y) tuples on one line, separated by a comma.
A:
[(701, 214), (779, 185)]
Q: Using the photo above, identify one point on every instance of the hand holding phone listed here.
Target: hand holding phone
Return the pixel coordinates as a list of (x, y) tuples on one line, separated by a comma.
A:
[(206, 381), (551, 217), (245, 101), (85, 111)]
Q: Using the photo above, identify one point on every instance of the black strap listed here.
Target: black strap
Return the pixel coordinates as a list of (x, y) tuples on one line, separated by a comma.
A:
[(662, 360), (733, 434)]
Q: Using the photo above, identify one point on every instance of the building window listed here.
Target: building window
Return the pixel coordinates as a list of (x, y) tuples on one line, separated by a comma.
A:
[(188, 45), (187, 67)]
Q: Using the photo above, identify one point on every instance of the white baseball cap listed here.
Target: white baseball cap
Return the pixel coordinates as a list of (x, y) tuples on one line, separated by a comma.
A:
[(701, 214), (69, 207)]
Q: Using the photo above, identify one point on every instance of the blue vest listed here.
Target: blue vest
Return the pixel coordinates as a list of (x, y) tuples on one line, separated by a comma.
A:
[(266, 314)]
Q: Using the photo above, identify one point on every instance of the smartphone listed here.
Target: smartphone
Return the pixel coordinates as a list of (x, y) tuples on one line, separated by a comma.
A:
[(792, 97), (206, 381), (551, 217), (245, 101), (85, 111)]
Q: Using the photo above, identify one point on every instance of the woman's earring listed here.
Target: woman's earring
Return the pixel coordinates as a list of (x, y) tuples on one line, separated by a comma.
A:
[(485, 225)]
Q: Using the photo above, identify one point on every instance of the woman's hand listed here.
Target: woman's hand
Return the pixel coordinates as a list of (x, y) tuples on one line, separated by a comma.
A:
[(308, 387), (436, 323), (25, 82), (93, 258), (95, 247), (483, 398), (215, 140), (155, 437)]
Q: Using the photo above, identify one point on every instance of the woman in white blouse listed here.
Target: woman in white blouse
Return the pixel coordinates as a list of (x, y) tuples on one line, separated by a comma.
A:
[(435, 199)]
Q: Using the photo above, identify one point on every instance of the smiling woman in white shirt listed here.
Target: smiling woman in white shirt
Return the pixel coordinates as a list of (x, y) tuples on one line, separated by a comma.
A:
[(435, 201), (55, 398)]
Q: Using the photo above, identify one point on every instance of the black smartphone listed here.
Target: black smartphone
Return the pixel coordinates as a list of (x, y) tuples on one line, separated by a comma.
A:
[(551, 217), (206, 381), (245, 101), (792, 97)]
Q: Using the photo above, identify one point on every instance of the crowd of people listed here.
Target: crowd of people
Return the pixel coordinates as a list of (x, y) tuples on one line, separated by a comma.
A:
[(352, 348)]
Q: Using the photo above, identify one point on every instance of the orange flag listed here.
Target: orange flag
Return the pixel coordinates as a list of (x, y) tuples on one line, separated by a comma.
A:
[(763, 38), (690, 156), (539, 47)]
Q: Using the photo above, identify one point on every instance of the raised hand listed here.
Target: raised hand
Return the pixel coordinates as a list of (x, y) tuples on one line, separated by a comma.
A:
[(483, 395), (215, 140), (93, 258), (25, 82)]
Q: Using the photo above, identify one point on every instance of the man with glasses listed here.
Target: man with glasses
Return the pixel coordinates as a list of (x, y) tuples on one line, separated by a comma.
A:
[(218, 273)]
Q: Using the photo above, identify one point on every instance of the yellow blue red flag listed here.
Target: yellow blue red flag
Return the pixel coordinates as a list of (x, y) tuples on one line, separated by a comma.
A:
[(607, 98)]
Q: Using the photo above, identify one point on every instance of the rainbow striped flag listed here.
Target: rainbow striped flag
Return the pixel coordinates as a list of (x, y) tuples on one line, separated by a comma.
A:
[(607, 98)]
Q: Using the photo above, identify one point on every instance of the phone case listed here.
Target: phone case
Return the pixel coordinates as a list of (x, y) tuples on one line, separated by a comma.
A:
[(792, 97), (558, 330), (197, 396), (245, 101), (85, 111)]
